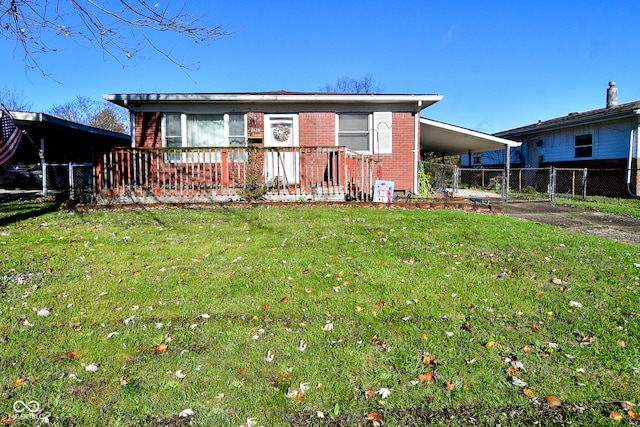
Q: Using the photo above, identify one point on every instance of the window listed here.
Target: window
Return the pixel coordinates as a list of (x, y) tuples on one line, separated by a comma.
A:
[(477, 158), (173, 130), (363, 132), (353, 131), (584, 146), (204, 131)]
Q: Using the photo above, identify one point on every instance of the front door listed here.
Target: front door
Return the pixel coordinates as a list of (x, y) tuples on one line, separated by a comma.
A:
[(281, 166)]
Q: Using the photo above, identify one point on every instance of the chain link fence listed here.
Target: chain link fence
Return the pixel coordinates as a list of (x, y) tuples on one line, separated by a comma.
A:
[(74, 180), (435, 178), (546, 183)]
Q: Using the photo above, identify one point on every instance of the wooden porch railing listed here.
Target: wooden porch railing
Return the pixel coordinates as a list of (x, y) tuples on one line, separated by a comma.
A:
[(140, 175)]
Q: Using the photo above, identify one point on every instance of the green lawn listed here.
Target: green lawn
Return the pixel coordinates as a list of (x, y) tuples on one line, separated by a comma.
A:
[(138, 316)]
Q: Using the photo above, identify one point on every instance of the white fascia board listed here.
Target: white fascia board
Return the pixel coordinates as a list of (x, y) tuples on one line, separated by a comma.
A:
[(469, 132), (421, 101)]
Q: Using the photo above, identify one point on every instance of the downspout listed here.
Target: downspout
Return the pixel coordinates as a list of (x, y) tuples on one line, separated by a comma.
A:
[(416, 148), (416, 154), (633, 135)]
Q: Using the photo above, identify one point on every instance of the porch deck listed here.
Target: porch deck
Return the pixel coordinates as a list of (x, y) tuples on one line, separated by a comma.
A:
[(138, 175)]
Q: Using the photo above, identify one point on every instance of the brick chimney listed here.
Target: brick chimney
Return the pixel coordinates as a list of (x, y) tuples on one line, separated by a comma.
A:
[(612, 95)]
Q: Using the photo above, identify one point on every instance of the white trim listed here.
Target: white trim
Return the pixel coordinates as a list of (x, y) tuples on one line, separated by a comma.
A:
[(268, 137), (370, 131), (383, 132), (421, 101), (183, 126)]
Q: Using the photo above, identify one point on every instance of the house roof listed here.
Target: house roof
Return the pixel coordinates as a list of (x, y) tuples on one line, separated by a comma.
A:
[(30, 120), (447, 140), (417, 102), (628, 109)]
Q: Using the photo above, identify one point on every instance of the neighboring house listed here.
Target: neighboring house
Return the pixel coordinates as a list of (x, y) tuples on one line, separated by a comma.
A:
[(50, 140), (605, 138), (287, 127)]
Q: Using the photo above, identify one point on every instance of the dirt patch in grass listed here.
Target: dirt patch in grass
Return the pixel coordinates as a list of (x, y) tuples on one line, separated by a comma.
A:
[(537, 413), (620, 228)]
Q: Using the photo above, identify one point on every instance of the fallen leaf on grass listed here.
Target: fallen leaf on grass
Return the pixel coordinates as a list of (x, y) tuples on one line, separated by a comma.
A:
[(7, 421), (429, 377), (92, 367), (449, 386), (376, 418), (529, 393), (160, 348), (429, 359), (269, 356), (553, 401), (518, 382), (18, 382), (633, 414), (586, 341), (369, 393), (381, 344), (69, 355), (622, 344), (527, 348), (384, 392), (614, 415), (186, 413), (512, 370)]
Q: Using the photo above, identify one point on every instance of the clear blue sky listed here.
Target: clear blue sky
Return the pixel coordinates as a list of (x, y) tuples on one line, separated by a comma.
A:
[(498, 64)]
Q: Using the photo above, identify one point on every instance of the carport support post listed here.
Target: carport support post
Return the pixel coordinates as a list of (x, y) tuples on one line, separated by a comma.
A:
[(507, 169), (44, 168)]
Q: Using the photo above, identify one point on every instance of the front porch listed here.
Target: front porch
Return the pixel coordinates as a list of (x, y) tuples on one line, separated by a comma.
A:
[(175, 175)]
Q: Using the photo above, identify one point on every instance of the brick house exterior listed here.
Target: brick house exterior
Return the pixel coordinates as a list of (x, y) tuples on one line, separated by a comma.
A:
[(383, 126)]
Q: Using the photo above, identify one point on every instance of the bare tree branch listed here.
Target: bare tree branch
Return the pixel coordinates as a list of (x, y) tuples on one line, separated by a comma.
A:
[(122, 29), (364, 85)]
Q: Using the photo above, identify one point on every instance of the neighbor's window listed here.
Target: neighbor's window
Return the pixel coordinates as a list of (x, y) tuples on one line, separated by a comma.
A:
[(353, 131), (584, 146), (204, 131)]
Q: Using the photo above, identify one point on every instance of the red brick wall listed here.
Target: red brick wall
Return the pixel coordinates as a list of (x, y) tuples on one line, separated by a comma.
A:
[(317, 129), (399, 166), (148, 130)]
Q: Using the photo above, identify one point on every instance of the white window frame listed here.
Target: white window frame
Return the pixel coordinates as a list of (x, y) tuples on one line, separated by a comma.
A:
[(379, 129), (184, 137)]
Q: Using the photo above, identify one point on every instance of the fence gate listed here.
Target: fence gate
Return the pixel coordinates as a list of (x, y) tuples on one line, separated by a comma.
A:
[(74, 178)]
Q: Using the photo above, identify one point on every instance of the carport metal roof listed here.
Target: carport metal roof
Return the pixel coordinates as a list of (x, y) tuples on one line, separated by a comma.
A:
[(448, 140)]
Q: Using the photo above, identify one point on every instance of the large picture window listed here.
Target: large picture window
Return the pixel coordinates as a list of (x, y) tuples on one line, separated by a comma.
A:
[(204, 131), (584, 146)]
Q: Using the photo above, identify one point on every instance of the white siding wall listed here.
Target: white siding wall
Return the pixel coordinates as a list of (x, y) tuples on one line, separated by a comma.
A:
[(610, 141)]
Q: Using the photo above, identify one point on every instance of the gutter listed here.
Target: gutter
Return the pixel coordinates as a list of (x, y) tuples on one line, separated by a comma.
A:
[(630, 159), (565, 124)]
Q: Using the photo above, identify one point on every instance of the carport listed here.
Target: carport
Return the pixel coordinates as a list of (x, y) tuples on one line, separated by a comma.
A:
[(449, 140), (445, 139), (49, 146)]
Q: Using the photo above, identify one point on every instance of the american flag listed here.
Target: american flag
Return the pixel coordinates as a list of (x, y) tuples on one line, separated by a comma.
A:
[(10, 137)]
